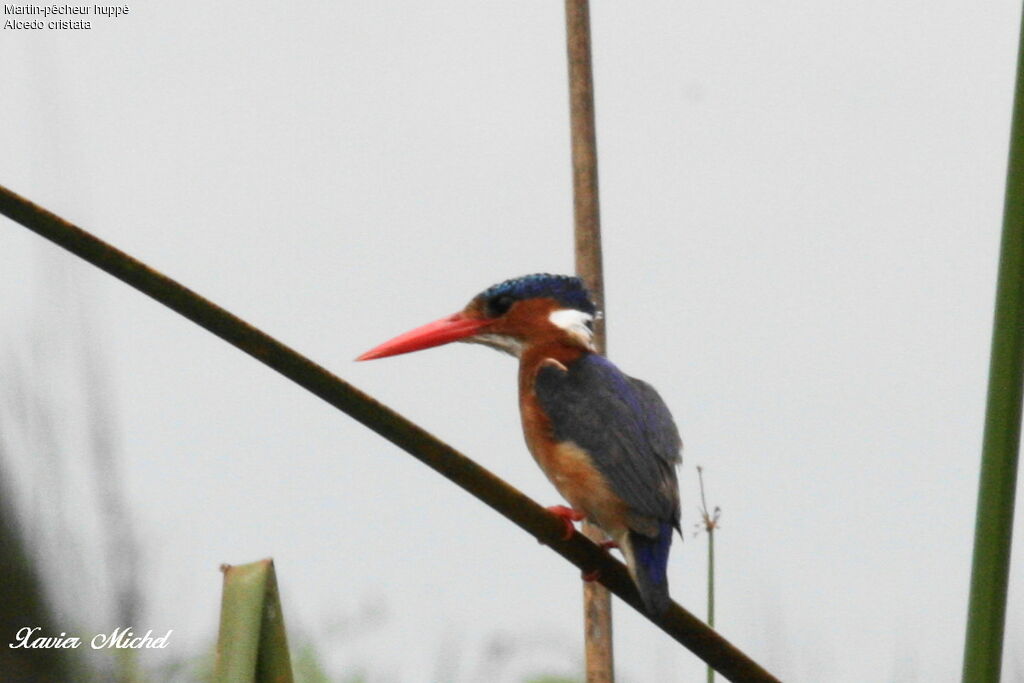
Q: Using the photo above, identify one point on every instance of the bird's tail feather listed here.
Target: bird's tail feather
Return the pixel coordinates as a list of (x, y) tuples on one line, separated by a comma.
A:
[(647, 559)]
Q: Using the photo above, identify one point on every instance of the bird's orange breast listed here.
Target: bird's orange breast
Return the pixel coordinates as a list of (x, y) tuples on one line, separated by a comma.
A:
[(567, 466)]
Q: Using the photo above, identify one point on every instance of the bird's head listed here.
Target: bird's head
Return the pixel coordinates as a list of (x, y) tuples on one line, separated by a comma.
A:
[(509, 316)]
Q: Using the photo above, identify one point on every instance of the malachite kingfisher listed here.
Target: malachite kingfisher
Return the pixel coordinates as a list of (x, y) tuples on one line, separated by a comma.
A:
[(606, 441)]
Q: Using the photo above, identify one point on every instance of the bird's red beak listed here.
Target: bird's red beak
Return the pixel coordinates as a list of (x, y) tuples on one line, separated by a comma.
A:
[(447, 329)]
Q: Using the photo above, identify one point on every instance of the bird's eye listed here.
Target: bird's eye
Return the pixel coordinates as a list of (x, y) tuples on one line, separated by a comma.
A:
[(499, 305)]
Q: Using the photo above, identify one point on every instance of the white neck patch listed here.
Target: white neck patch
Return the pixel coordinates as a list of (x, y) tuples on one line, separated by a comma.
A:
[(575, 324)]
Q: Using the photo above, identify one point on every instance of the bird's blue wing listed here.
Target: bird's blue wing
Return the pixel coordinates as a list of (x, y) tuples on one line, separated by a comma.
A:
[(625, 427)]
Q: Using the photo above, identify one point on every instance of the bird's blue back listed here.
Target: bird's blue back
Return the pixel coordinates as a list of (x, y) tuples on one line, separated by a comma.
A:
[(628, 432), (623, 424)]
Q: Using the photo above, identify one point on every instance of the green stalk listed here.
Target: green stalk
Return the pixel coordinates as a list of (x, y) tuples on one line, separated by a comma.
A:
[(252, 644), (710, 522), (993, 532), (711, 590)]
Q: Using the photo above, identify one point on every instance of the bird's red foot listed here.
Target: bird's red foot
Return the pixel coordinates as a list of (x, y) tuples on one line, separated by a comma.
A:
[(567, 515), (590, 577)]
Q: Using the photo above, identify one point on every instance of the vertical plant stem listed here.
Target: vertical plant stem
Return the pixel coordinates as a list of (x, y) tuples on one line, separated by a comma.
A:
[(710, 522), (711, 590), (994, 522), (586, 204), (597, 605)]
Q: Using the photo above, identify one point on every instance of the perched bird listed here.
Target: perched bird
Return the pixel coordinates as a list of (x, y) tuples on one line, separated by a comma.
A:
[(605, 440)]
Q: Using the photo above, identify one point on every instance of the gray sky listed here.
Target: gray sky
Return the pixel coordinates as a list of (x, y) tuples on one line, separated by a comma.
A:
[(801, 206)]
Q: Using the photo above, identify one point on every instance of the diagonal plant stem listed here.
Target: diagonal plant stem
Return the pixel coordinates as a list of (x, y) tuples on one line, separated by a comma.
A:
[(508, 501), (993, 532)]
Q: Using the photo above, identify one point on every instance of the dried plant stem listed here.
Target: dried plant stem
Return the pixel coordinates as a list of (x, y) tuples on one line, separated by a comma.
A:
[(597, 604)]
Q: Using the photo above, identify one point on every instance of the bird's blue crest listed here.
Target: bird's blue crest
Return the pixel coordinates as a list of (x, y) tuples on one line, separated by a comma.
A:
[(565, 289)]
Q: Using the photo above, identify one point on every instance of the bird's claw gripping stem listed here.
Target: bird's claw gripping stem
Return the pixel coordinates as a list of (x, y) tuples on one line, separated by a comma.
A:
[(594, 575), (567, 515)]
